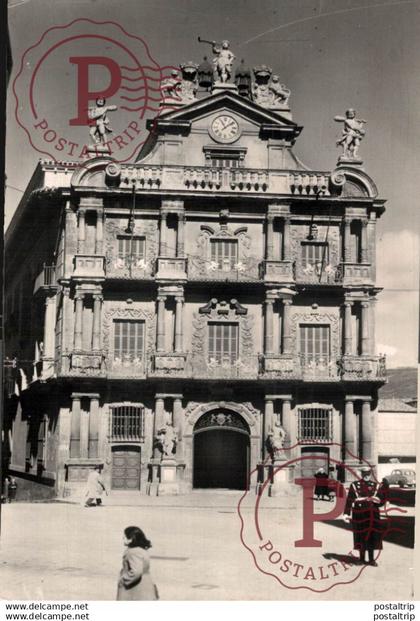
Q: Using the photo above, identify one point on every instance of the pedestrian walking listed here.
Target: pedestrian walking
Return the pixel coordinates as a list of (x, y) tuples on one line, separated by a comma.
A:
[(135, 581), (321, 486), (12, 489), (364, 499), (94, 488)]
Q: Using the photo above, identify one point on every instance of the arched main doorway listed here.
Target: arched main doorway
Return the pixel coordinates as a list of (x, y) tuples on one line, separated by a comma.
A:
[(221, 451)]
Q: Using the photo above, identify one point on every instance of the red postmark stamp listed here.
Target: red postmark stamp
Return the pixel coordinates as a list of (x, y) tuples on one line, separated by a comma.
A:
[(87, 83), (308, 532)]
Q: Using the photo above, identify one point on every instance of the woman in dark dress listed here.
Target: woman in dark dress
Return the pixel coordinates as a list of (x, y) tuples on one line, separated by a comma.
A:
[(321, 486)]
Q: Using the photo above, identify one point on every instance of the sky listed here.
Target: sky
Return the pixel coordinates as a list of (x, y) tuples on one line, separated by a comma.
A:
[(332, 54)]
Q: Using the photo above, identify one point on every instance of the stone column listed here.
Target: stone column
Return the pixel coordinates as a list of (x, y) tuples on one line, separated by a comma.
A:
[(97, 311), (365, 328), (287, 422), (363, 242), (81, 231), (286, 239), (94, 426), (350, 437), (180, 249), (269, 244), (179, 306), (268, 422), (347, 328), (366, 431), (268, 336), (78, 321), (178, 419), (287, 337), (162, 239), (84, 433), (49, 327), (347, 241), (372, 326), (160, 345), (75, 424), (99, 232), (159, 420)]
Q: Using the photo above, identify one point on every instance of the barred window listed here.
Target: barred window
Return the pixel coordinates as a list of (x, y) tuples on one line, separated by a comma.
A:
[(127, 423), (315, 344), (131, 249), (128, 339), (314, 254), (224, 253), (223, 342), (315, 424)]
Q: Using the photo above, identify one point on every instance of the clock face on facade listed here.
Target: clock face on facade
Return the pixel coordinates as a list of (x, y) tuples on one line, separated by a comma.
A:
[(225, 128)]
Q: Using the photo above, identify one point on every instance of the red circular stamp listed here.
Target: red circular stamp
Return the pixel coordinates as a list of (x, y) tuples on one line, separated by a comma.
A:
[(314, 532), (88, 83)]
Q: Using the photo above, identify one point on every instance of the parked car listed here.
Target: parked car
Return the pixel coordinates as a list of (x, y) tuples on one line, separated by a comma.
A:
[(403, 477)]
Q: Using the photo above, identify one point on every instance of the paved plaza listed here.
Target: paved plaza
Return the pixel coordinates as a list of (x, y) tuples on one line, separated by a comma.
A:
[(63, 551)]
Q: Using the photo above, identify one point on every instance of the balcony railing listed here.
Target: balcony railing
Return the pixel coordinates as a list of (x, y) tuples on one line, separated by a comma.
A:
[(317, 274), (171, 268), (46, 278), (355, 273), (299, 367), (212, 178), (356, 368), (277, 271)]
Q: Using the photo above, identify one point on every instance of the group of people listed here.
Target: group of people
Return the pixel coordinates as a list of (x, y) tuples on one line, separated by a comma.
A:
[(9, 489)]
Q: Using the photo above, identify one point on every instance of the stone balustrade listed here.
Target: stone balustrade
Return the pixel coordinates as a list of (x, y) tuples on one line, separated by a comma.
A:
[(277, 271), (171, 268), (355, 274), (356, 368), (89, 266), (172, 177), (286, 367)]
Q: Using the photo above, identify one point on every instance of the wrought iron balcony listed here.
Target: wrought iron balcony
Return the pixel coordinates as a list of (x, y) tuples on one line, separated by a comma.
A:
[(46, 279)]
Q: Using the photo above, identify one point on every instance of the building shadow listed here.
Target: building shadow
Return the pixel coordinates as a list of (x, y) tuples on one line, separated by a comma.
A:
[(397, 529)]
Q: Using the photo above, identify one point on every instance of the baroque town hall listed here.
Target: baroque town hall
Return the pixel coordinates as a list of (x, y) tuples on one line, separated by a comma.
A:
[(180, 314)]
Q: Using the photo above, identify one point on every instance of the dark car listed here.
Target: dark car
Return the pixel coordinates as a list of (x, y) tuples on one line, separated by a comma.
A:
[(404, 477)]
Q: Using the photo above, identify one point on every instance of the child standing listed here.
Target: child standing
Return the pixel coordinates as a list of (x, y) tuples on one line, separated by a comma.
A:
[(135, 582)]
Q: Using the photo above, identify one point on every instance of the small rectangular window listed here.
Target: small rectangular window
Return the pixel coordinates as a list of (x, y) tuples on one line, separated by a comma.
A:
[(131, 249), (315, 424), (314, 254), (127, 423), (223, 343), (128, 339), (224, 253)]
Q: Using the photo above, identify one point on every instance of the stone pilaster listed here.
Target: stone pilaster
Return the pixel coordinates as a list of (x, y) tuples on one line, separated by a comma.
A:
[(347, 241), (160, 344), (350, 429), (97, 313), (365, 328), (347, 328), (78, 321), (269, 245), (366, 431), (286, 332), (178, 420), (268, 334), (162, 236), (179, 306), (180, 246), (99, 232), (81, 231), (286, 239), (364, 251)]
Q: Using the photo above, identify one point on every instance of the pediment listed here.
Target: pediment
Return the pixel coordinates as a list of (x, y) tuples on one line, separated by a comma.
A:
[(226, 100)]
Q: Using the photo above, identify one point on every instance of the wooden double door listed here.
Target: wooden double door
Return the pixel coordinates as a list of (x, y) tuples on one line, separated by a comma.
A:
[(126, 461)]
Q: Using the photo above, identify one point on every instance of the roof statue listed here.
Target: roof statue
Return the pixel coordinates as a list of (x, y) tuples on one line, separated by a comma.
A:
[(222, 62), (267, 91), (99, 122), (353, 134), (180, 90)]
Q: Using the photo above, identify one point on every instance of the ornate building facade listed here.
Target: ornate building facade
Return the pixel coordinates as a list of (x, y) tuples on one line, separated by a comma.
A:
[(178, 312)]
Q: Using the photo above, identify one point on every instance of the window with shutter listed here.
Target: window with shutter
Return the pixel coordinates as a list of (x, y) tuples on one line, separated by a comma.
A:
[(223, 343)]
